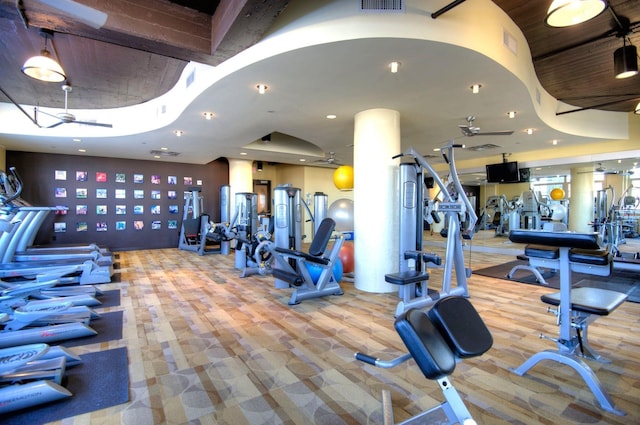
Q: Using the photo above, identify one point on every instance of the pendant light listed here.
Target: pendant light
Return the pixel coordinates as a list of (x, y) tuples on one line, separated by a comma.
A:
[(564, 13), (43, 67), (625, 61)]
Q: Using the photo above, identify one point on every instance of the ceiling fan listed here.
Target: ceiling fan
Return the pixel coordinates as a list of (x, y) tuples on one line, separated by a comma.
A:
[(602, 169), (331, 160), (66, 117), (470, 130)]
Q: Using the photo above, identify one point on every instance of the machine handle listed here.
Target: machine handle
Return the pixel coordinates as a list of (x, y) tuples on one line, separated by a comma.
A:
[(366, 358)]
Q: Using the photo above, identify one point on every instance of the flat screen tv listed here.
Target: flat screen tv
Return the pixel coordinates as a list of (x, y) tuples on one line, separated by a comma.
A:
[(505, 172)]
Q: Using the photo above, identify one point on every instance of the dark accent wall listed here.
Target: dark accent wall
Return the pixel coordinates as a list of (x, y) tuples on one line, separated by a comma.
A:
[(55, 180)]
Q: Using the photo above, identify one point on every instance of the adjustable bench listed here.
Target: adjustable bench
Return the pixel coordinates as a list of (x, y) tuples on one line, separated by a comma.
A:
[(577, 308), (450, 331)]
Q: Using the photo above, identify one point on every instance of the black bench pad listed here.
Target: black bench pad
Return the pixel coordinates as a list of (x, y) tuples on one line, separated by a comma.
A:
[(542, 251), (590, 300), (560, 239), (596, 257), (425, 343), (307, 257), (462, 327), (406, 277)]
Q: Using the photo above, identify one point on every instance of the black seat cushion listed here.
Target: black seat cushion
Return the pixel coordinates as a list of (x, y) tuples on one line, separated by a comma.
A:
[(322, 237), (542, 251), (428, 348), (596, 257), (406, 277), (589, 300), (461, 326)]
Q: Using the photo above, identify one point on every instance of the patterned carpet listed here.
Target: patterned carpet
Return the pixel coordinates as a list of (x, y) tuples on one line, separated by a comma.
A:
[(208, 347)]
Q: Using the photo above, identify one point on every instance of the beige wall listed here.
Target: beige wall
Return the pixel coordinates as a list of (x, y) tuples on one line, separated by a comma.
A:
[(309, 179)]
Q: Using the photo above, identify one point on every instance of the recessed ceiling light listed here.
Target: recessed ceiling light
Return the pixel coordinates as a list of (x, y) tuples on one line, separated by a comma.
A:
[(262, 88), (156, 156), (436, 149), (554, 141), (164, 149), (179, 133), (331, 117), (302, 160), (511, 114), (82, 150), (243, 153), (393, 66), (529, 131), (77, 140), (208, 115), (475, 89)]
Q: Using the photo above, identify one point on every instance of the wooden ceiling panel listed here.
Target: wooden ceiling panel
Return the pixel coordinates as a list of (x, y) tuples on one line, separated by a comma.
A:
[(577, 62)]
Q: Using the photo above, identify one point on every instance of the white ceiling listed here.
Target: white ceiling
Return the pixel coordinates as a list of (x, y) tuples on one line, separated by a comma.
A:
[(334, 60)]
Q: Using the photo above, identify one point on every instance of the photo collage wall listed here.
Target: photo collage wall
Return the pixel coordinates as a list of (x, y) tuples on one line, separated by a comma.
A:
[(94, 201)]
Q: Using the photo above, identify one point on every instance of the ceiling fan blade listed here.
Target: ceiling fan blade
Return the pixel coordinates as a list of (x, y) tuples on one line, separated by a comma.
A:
[(56, 124), (40, 111), (33, 119), (97, 124), (85, 14), (495, 133)]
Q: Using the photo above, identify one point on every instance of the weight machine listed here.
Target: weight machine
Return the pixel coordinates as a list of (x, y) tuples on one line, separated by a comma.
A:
[(198, 233), (412, 276), (287, 222), (253, 239)]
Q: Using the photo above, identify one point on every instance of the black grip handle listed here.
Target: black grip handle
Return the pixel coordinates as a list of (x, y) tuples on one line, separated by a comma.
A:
[(397, 156), (366, 358)]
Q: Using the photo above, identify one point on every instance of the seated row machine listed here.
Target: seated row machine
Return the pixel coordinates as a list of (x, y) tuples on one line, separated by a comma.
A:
[(436, 339), (577, 308), (290, 265)]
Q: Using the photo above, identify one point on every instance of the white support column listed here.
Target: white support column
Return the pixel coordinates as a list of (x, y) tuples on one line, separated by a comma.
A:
[(581, 202), (375, 205), (240, 180)]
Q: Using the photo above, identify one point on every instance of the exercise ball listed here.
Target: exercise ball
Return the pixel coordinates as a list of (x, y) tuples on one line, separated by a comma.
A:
[(315, 271), (343, 177), (559, 212), (557, 194), (347, 257), (341, 211)]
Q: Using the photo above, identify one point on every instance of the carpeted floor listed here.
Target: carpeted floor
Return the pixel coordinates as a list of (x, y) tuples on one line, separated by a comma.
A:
[(621, 281)]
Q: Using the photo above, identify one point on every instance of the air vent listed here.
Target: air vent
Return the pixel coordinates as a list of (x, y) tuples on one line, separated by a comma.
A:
[(382, 6), (484, 147), (163, 153)]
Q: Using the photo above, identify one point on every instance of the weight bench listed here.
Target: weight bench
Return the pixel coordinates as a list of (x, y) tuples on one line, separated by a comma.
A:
[(577, 308), (290, 265), (450, 331)]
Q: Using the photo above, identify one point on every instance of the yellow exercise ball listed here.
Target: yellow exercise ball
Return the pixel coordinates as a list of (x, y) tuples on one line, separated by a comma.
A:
[(343, 177), (557, 194)]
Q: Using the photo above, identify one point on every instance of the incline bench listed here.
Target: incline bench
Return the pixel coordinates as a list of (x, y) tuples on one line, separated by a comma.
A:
[(576, 308)]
